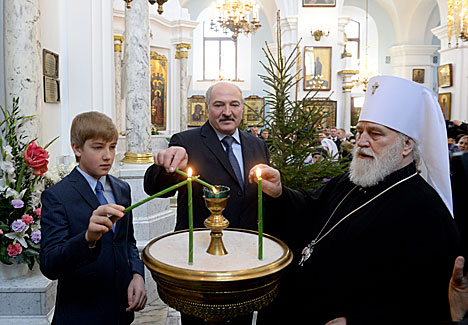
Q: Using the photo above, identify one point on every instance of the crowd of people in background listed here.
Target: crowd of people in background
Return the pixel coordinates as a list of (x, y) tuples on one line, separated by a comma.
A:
[(335, 143), (457, 134)]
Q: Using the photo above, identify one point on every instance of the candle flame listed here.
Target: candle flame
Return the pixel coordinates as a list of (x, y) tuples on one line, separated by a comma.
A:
[(189, 172), (215, 190), (259, 172)]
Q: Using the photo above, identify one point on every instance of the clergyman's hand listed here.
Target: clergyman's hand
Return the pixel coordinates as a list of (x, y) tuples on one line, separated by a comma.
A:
[(172, 158), (271, 179), (458, 291)]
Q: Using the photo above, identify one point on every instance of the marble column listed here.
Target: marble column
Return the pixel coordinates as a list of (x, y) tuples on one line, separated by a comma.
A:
[(182, 57), (137, 74), (347, 84), (155, 217), (27, 298), (119, 115), (22, 55), (348, 70)]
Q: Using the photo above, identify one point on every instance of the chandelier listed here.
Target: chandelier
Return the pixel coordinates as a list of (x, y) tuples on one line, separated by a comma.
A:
[(457, 20), (364, 72), (234, 15)]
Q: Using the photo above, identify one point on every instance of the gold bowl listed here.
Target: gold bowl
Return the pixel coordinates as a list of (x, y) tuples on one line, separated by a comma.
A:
[(215, 287)]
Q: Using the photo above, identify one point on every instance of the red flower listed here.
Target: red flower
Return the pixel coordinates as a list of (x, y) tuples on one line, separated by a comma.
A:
[(14, 249), (36, 158), (27, 219), (38, 212)]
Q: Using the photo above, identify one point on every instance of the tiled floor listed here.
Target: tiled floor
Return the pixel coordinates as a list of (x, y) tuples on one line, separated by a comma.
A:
[(157, 313)]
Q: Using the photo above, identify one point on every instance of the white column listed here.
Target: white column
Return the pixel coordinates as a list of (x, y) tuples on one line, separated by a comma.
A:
[(344, 120), (458, 57), (348, 70), (407, 57), (22, 55), (28, 296), (119, 114), (182, 57), (289, 43), (155, 217), (137, 74)]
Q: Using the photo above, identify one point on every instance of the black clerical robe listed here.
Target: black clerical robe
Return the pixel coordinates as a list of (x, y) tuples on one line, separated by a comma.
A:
[(388, 263)]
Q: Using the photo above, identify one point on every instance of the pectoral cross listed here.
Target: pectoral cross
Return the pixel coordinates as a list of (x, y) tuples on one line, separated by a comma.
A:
[(374, 87)]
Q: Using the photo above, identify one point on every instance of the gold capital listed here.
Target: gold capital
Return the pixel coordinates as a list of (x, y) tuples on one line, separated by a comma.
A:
[(118, 40), (138, 158)]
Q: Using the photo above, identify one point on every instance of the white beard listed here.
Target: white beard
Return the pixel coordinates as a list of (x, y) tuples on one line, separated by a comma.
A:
[(369, 172)]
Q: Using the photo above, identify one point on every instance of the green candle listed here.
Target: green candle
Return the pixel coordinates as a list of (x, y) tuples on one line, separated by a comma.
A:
[(169, 189), (190, 213), (202, 182), (260, 215)]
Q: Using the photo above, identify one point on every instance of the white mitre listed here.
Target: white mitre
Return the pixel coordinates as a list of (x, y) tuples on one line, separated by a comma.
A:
[(412, 109)]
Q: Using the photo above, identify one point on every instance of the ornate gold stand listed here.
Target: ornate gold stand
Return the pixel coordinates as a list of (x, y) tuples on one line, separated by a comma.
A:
[(216, 203)]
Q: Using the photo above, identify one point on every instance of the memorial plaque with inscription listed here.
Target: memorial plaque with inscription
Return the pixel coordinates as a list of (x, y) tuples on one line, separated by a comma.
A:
[(51, 90), (50, 64)]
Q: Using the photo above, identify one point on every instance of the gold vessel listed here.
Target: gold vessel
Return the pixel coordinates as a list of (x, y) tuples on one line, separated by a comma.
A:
[(214, 287), (216, 202)]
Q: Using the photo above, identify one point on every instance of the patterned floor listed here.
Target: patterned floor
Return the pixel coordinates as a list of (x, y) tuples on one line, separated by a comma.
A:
[(157, 313)]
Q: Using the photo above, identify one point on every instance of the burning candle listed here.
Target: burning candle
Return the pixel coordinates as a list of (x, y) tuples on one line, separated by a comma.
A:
[(190, 213), (260, 215)]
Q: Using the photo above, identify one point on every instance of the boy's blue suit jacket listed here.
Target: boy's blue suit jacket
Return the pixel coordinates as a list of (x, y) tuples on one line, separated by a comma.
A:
[(92, 283)]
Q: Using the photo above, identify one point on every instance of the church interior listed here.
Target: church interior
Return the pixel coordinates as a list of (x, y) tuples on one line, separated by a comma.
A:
[(147, 64)]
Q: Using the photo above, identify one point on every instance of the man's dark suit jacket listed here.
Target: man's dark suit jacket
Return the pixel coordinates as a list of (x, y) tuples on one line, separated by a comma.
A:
[(92, 282), (207, 158)]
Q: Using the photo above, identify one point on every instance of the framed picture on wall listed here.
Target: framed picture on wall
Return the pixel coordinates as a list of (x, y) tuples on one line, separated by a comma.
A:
[(327, 109), (254, 112), (318, 3), (196, 111), (444, 75), (445, 102), (317, 68), (418, 75), (158, 66)]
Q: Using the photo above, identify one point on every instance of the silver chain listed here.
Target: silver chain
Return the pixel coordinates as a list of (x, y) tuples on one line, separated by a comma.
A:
[(307, 251)]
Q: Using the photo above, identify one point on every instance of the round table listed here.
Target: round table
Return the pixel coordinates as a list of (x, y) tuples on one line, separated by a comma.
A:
[(216, 287)]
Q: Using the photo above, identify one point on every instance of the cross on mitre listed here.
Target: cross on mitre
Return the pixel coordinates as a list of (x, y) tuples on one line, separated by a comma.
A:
[(374, 87)]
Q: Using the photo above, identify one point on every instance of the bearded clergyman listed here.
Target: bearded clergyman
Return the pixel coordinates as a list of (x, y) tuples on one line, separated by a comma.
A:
[(375, 245)]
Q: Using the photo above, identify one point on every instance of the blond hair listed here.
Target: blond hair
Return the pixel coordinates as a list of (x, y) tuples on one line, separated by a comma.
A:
[(92, 125)]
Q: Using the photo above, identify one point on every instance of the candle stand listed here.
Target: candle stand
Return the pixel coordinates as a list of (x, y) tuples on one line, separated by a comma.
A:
[(218, 285)]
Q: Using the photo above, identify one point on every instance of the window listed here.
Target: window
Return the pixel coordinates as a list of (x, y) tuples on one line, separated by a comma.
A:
[(352, 31), (219, 54)]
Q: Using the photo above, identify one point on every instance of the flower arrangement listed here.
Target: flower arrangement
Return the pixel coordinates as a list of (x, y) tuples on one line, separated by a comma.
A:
[(57, 172), (22, 167)]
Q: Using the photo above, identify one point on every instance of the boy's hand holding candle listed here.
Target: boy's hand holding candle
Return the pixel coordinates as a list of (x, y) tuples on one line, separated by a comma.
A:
[(100, 223)]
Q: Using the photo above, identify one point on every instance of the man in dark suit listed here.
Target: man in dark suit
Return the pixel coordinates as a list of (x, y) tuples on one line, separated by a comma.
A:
[(222, 155), (203, 150), (96, 261)]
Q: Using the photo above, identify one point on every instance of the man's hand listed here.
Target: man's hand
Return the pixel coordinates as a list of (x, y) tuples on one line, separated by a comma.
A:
[(271, 180), (99, 223), (337, 321), (172, 158), (458, 290), (136, 293)]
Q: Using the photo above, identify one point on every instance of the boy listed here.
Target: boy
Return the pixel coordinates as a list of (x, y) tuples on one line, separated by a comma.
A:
[(99, 271)]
